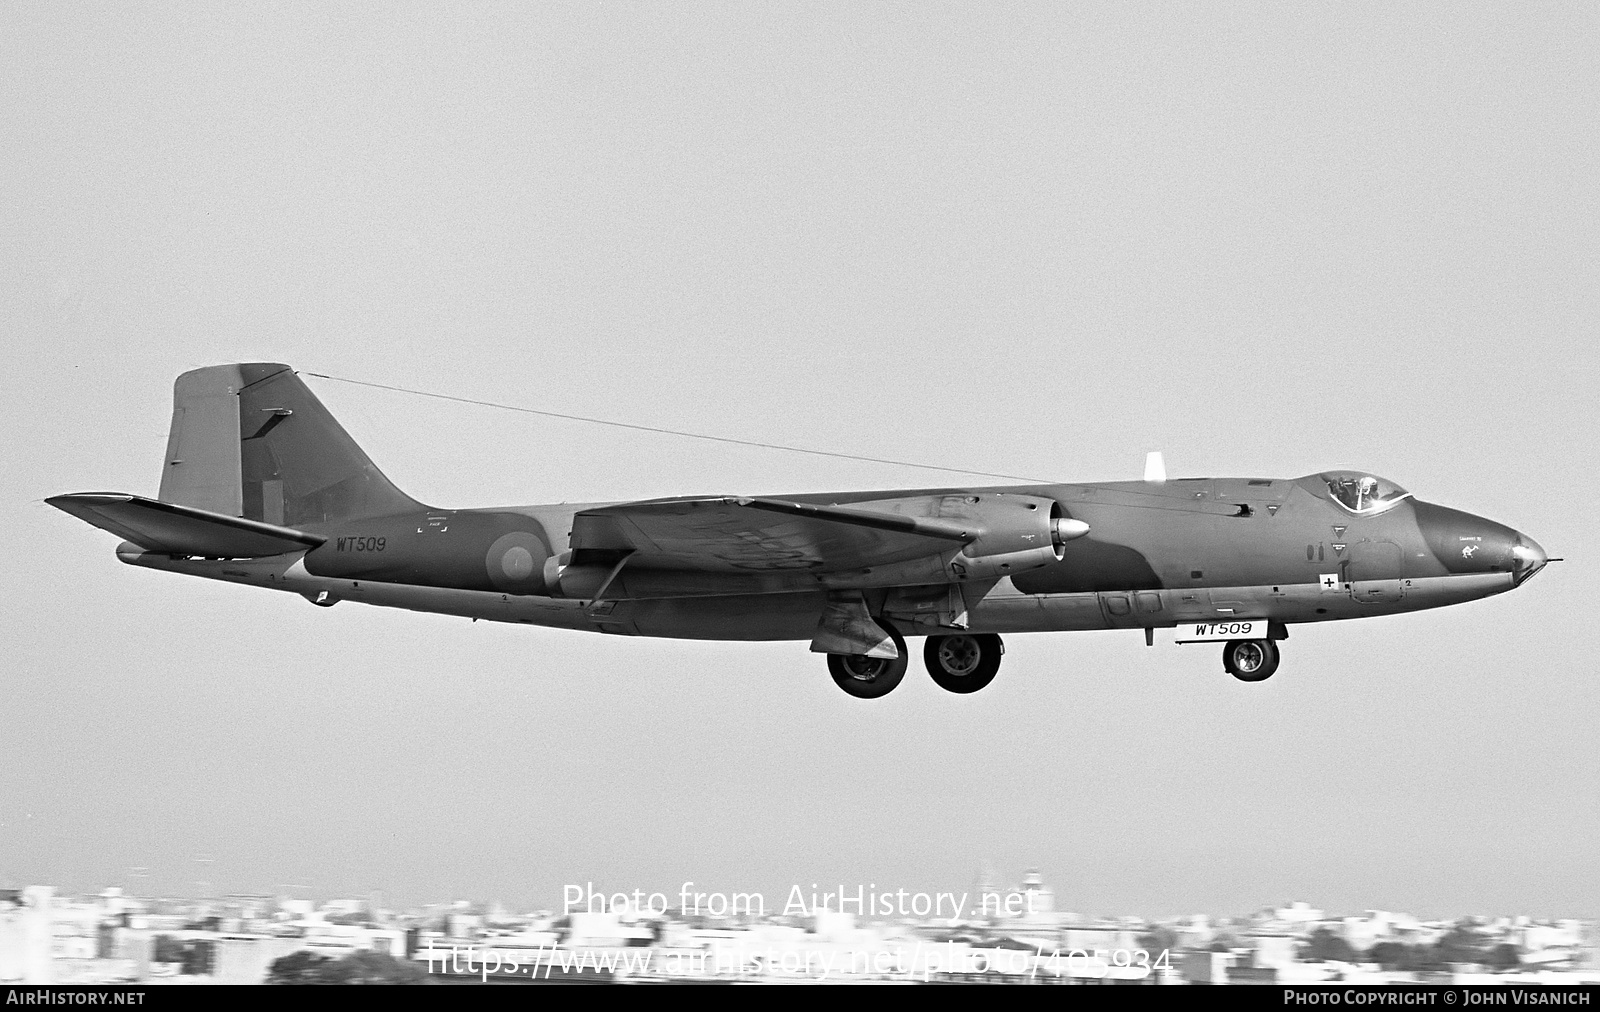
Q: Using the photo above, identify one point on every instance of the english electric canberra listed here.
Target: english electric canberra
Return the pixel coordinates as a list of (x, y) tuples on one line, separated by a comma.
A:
[(261, 486)]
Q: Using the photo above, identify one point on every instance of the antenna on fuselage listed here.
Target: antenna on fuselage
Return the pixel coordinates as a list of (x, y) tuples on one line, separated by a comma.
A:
[(1155, 469)]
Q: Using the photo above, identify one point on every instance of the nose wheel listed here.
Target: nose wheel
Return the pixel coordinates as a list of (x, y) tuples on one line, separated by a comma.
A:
[(869, 677), (964, 662), (1250, 660)]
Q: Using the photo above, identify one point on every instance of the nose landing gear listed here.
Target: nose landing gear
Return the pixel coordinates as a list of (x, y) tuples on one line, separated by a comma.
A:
[(1250, 660)]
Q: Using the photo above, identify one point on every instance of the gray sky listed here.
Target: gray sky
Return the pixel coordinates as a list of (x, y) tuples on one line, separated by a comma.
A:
[(1039, 239)]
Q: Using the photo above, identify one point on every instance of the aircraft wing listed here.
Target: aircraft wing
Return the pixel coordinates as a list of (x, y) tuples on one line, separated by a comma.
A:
[(739, 534), (182, 530)]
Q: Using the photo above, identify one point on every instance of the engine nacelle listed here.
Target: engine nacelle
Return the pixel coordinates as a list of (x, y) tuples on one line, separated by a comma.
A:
[(1009, 534), (563, 579), (1019, 533), (988, 567)]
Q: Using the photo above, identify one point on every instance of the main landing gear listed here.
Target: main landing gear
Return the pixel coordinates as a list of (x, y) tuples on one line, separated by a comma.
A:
[(1250, 660), (964, 662), (869, 677), (960, 662)]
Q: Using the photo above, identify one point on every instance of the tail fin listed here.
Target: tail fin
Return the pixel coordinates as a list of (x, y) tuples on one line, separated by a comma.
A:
[(251, 440)]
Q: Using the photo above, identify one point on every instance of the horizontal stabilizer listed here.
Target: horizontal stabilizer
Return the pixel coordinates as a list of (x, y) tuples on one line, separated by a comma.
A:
[(182, 530)]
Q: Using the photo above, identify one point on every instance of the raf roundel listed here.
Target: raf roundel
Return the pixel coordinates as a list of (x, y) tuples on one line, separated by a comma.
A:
[(516, 562)]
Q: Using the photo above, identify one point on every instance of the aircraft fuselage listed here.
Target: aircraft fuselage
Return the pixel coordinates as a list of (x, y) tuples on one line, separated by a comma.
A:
[(1156, 555)]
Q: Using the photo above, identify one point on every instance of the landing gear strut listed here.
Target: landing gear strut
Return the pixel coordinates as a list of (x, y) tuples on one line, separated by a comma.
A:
[(1250, 660), (869, 677), (964, 662)]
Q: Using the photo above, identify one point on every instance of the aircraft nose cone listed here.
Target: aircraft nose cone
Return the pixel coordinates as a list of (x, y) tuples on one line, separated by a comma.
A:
[(1471, 544), (1527, 558)]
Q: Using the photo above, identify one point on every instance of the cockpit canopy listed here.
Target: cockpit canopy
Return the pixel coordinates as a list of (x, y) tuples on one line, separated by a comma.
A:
[(1362, 494)]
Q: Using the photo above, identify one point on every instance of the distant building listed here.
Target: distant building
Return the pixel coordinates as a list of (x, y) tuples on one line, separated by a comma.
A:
[(26, 935), (1299, 914), (1032, 903)]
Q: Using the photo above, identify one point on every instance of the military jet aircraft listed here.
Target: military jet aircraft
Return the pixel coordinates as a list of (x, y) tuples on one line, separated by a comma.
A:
[(262, 487)]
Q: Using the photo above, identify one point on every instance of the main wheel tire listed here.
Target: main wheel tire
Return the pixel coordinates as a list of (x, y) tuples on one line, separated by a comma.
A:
[(963, 662), (1250, 660), (869, 677)]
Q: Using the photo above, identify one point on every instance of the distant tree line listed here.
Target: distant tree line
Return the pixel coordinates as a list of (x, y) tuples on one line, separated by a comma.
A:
[(356, 968), (1461, 944)]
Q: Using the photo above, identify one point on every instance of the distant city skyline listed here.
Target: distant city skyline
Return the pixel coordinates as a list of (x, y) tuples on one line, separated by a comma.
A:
[(1017, 904), (777, 904), (113, 937)]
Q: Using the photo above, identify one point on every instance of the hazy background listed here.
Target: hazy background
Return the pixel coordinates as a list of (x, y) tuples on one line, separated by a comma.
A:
[(1039, 239)]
